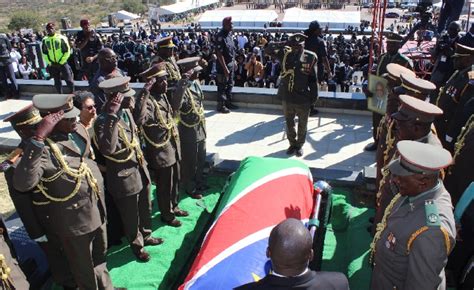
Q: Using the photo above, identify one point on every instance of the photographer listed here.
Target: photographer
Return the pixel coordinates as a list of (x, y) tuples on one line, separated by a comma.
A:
[(443, 64)]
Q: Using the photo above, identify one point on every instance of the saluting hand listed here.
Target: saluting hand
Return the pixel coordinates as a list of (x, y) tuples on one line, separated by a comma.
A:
[(149, 84), (47, 124), (114, 104)]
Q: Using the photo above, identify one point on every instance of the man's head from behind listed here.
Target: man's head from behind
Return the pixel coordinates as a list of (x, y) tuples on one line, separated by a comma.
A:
[(290, 247)]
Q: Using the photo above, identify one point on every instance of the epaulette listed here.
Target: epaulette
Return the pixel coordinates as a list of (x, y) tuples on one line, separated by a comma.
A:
[(431, 214)]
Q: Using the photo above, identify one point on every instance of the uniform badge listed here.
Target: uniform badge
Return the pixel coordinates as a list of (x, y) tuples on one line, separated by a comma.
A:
[(432, 218), (391, 241)]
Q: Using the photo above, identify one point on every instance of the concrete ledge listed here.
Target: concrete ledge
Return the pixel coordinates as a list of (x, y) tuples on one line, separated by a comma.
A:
[(252, 97)]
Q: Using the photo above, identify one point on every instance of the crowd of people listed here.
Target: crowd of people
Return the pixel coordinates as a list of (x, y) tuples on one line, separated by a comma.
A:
[(80, 185)]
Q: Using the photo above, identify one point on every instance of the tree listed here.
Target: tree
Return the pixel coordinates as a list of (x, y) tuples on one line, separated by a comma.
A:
[(134, 6), (25, 19)]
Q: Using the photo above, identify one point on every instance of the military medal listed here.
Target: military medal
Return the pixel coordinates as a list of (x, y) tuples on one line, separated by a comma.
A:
[(390, 242)]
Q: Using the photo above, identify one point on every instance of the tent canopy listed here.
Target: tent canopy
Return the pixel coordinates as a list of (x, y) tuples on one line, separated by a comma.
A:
[(240, 18), (181, 7), (125, 15), (296, 17)]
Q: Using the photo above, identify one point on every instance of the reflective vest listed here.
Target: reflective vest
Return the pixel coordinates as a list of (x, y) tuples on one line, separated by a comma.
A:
[(55, 49)]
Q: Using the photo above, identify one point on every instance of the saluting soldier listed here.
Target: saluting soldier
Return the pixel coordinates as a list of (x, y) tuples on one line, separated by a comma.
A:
[(456, 91), (57, 162), (298, 88), (165, 56), (31, 208), (192, 131), (127, 176), (392, 55), (417, 232), (412, 122), (155, 114)]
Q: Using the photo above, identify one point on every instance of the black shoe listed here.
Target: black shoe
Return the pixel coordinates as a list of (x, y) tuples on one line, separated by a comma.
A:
[(313, 112), (142, 256), (299, 152), (195, 194), (173, 223), (232, 106), (371, 147), (180, 212), (291, 150), (223, 110), (151, 241)]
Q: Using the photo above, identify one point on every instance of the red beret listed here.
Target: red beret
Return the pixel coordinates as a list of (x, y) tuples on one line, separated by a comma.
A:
[(50, 25), (84, 22), (227, 19)]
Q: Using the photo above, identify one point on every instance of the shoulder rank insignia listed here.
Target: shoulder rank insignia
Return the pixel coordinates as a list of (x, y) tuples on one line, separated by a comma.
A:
[(431, 213)]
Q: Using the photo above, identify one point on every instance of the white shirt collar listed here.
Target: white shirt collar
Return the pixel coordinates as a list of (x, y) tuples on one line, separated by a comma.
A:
[(279, 275)]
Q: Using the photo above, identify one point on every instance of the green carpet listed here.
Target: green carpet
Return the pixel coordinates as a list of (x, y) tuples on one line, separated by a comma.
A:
[(167, 260), (346, 245)]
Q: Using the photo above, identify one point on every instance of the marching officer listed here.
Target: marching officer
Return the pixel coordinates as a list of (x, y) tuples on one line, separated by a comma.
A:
[(298, 88), (31, 208), (56, 162), (192, 131), (155, 113), (413, 121), (417, 232), (127, 176), (56, 51), (392, 55), (456, 91)]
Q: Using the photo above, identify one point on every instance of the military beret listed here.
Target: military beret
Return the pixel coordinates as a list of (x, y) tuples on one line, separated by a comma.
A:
[(52, 103), (117, 85), (393, 37), (157, 70), (50, 25), (313, 25), (415, 85), (412, 108), (463, 50), (189, 63), (227, 19), (165, 42), (419, 158), (297, 38), (29, 115), (394, 71)]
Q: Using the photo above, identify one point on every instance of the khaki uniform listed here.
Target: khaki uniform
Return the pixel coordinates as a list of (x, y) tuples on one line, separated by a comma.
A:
[(75, 212), (413, 248), (127, 176), (192, 133)]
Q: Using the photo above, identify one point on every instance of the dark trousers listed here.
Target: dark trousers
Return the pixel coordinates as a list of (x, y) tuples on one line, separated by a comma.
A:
[(135, 211), (166, 180), (58, 263), (290, 111), (376, 118), (64, 71), (6, 73), (224, 88), (86, 256), (89, 69), (192, 165)]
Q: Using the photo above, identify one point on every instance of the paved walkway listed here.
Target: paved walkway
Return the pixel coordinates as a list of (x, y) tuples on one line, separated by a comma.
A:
[(334, 141)]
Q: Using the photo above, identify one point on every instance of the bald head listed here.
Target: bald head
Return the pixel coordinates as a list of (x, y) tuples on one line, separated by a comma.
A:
[(290, 247), (107, 60)]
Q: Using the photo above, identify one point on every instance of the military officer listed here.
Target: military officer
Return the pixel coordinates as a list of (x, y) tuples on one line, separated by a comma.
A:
[(455, 93), (298, 88), (417, 232), (32, 212), (155, 113), (412, 122), (11, 275), (392, 55), (225, 51), (192, 131), (56, 161), (127, 176), (165, 55)]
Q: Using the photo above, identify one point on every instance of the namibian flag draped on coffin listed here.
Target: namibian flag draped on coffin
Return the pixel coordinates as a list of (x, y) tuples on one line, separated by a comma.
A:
[(261, 193)]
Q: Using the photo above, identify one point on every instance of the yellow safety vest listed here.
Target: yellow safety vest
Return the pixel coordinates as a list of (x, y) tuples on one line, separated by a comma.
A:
[(55, 49)]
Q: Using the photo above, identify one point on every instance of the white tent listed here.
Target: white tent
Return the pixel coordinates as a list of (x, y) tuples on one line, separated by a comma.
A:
[(125, 15), (184, 6), (296, 17), (240, 18)]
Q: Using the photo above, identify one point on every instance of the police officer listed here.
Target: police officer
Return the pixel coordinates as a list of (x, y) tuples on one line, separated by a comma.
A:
[(417, 232), (56, 52), (57, 162), (298, 87), (192, 131), (155, 113), (127, 176), (225, 51), (391, 56)]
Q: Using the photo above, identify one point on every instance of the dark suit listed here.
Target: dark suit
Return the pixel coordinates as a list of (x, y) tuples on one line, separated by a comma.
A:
[(127, 177), (78, 220), (311, 280), (272, 78), (192, 133), (163, 150)]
